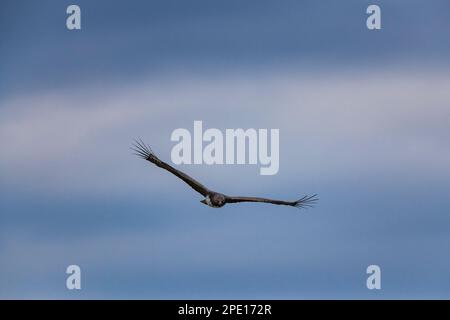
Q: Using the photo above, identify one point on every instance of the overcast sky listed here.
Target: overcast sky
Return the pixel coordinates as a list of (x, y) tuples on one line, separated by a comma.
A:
[(364, 122)]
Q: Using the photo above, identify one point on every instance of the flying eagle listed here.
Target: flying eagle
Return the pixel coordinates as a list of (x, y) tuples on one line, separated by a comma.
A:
[(212, 198)]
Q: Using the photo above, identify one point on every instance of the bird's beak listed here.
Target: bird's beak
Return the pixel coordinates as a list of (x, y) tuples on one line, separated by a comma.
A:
[(203, 201)]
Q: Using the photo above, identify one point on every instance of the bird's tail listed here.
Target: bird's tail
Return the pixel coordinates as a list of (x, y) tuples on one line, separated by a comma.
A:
[(142, 150), (306, 201)]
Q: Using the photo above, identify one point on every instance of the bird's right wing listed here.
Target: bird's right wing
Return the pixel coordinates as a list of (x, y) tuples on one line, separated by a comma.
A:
[(306, 201), (146, 153)]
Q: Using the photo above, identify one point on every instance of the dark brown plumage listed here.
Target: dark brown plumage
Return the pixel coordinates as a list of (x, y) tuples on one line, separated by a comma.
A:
[(212, 198)]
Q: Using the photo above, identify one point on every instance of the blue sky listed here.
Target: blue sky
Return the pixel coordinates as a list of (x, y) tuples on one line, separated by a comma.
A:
[(364, 122)]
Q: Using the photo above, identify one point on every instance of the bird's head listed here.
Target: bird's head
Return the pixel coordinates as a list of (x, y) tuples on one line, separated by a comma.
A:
[(203, 201)]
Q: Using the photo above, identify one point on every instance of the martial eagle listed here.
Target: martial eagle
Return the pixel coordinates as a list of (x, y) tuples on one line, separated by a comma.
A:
[(212, 198)]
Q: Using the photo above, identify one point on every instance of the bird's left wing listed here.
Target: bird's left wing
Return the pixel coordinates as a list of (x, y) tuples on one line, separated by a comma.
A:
[(306, 201), (145, 152)]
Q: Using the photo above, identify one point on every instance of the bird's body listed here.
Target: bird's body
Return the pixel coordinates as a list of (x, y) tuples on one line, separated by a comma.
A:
[(212, 198)]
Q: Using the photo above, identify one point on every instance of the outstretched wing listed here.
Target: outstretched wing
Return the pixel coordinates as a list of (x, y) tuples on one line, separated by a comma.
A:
[(306, 201), (146, 153)]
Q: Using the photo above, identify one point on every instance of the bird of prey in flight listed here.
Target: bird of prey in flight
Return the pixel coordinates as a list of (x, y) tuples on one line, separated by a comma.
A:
[(212, 198)]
